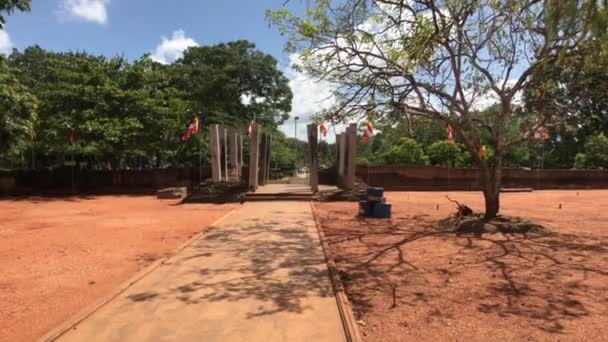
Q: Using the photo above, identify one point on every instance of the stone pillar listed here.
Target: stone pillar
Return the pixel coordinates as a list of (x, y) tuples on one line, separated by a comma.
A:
[(263, 160), (351, 163), (313, 159), (214, 143), (268, 157), (254, 148), (234, 158), (241, 163), (224, 137), (341, 140)]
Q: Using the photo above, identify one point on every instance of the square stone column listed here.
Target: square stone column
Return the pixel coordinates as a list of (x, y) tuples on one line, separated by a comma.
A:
[(225, 173), (214, 143), (263, 158), (254, 150), (313, 158)]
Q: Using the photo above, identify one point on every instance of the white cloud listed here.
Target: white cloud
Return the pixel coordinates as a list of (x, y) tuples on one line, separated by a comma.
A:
[(6, 45), (173, 48), (87, 10), (309, 97)]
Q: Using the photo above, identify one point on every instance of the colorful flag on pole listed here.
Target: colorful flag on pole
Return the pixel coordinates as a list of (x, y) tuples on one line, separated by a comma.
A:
[(368, 133), (482, 152), (323, 129), (450, 132), (192, 128)]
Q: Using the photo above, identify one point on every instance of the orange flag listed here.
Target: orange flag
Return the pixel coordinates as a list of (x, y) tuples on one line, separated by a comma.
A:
[(192, 128)]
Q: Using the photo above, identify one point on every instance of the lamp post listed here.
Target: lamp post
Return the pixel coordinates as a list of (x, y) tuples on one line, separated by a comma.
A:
[(295, 165)]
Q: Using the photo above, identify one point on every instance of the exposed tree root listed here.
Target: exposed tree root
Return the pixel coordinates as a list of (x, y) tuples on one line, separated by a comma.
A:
[(465, 221)]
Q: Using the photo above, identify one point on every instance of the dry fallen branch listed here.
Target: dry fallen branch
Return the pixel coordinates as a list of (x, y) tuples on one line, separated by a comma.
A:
[(463, 210)]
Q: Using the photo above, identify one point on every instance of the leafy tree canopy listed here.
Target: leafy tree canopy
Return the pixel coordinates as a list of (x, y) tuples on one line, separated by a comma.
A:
[(9, 6)]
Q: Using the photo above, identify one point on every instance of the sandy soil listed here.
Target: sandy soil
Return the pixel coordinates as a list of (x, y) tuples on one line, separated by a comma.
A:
[(59, 255), (410, 282)]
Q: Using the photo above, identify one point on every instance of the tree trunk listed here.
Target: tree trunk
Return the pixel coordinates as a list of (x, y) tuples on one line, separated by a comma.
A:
[(491, 183)]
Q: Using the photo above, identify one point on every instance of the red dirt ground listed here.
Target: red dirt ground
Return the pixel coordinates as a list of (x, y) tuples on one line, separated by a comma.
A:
[(408, 281), (59, 255)]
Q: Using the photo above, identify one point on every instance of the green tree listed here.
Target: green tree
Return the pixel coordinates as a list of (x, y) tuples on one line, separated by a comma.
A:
[(435, 59), (18, 110), (576, 89), (443, 153), (233, 83), (407, 152), (580, 161), (8, 6), (596, 151)]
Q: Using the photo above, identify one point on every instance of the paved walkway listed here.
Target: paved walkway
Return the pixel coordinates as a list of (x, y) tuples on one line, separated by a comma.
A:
[(259, 276)]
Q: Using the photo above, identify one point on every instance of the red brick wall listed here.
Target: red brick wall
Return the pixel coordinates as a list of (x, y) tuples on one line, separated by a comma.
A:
[(423, 178)]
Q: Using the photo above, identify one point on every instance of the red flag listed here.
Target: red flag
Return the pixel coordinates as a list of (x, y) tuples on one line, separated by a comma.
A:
[(368, 133), (323, 129), (192, 128), (450, 134)]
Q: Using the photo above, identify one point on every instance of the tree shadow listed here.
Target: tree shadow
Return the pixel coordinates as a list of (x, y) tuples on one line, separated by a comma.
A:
[(273, 263), (543, 279)]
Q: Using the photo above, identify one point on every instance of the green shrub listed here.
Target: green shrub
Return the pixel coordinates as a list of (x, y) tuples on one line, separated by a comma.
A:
[(580, 161), (407, 152), (596, 151), (443, 153)]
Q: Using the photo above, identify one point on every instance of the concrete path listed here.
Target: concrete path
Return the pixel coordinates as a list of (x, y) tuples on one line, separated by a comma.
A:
[(259, 276)]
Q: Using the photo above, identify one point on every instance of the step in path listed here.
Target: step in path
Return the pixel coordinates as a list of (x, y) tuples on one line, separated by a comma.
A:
[(260, 275)]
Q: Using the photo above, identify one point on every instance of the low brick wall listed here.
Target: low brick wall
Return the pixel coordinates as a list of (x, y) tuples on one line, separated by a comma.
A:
[(431, 178), (99, 181)]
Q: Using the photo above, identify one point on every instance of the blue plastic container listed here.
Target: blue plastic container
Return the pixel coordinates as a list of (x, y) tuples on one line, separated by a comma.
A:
[(382, 210), (366, 208), (376, 192)]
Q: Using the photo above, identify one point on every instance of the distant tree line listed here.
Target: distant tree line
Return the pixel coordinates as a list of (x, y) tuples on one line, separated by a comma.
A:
[(112, 113)]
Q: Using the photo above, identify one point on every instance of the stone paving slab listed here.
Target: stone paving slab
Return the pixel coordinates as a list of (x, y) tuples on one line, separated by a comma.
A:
[(259, 276)]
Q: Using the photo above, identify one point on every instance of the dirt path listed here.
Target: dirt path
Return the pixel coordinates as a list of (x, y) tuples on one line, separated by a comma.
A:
[(60, 255), (259, 276), (409, 282)]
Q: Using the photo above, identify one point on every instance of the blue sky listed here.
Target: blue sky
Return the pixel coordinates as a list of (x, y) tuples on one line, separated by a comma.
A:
[(162, 28), (134, 27)]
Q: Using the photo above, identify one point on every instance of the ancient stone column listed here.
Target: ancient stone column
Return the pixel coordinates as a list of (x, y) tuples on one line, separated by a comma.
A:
[(225, 173), (313, 157), (214, 143), (268, 157), (254, 148), (263, 162)]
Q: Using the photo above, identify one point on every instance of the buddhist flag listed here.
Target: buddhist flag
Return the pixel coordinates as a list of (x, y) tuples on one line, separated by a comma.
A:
[(368, 133), (482, 152), (192, 128), (323, 129), (450, 132)]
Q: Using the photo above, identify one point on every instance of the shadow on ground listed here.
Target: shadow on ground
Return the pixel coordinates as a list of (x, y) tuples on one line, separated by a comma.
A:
[(274, 263), (542, 281)]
